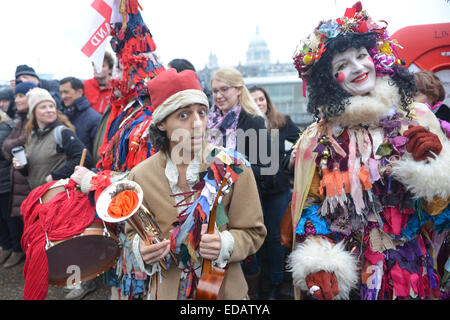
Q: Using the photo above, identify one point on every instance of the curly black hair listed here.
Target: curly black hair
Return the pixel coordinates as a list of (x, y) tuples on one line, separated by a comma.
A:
[(158, 138), (326, 98)]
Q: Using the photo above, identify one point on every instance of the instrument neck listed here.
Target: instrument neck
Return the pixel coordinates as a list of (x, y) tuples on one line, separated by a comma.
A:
[(207, 266)]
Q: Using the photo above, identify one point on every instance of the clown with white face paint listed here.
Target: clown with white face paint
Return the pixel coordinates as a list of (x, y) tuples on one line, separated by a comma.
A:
[(368, 173), (355, 71)]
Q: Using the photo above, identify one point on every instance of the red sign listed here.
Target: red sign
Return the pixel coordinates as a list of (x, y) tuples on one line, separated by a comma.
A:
[(425, 45), (96, 39), (102, 32)]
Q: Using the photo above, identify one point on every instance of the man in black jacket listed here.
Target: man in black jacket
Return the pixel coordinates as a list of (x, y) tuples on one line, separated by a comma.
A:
[(78, 109), (26, 73)]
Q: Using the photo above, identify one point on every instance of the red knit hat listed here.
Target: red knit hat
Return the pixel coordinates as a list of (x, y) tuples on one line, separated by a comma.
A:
[(170, 91)]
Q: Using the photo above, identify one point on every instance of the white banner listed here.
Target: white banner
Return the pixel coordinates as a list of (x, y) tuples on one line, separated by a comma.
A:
[(95, 29)]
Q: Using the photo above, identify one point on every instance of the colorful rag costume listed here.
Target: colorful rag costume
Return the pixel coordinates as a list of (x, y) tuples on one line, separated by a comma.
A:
[(125, 140), (181, 221), (362, 202)]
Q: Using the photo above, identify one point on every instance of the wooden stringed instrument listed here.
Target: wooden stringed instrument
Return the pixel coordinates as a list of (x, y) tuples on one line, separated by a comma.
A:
[(212, 276)]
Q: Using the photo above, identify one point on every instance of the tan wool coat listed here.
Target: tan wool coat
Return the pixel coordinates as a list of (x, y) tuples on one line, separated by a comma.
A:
[(242, 206)]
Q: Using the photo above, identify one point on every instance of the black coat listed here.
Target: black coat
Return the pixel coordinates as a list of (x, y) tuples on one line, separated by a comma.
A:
[(290, 132), (72, 147), (85, 119), (52, 86), (67, 143), (19, 183), (258, 161), (6, 126)]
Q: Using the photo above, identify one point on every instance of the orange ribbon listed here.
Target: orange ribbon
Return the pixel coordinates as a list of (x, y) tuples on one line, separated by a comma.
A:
[(123, 204), (365, 178), (334, 182)]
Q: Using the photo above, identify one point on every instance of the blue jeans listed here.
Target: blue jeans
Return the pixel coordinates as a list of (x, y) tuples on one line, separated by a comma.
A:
[(274, 207)]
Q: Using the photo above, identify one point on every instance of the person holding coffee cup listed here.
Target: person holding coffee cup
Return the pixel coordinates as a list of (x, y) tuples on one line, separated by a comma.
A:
[(19, 184), (19, 156), (11, 227)]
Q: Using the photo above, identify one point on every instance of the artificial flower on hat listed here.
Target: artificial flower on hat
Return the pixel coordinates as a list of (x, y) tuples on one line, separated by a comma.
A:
[(356, 20)]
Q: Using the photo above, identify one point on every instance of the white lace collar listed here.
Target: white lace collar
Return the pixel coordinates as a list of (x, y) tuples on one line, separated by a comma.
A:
[(171, 172)]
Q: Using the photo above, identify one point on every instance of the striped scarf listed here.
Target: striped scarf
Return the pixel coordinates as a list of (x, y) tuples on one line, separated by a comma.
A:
[(222, 127)]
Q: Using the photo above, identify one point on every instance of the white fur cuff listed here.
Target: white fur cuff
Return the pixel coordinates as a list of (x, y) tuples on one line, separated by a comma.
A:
[(316, 254), (179, 100), (226, 249), (425, 179)]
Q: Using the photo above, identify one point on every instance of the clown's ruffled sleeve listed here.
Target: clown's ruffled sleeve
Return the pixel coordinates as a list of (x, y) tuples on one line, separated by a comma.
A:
[(319, 253)]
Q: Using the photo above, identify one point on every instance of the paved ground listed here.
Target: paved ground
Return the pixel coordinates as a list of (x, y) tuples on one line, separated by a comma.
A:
[(12, 283)]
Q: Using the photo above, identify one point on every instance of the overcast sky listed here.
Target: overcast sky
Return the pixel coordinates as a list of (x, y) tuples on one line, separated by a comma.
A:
[(40, 32)]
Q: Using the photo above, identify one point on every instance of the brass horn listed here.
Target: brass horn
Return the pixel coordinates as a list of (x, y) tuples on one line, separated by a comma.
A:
[(142, 220)]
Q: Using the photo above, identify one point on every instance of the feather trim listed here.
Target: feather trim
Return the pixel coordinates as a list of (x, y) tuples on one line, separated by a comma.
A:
[(425, 179), (316, 254), (371, 108)]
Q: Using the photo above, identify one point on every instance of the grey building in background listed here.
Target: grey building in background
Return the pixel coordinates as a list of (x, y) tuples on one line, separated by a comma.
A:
[(286, 94)]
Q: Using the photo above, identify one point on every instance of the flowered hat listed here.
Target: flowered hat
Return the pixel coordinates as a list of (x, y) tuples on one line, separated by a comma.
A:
[(355, 20)]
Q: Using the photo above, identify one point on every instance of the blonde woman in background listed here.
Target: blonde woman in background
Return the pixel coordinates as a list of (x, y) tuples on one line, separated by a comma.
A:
[(236, 122), (11, 222)]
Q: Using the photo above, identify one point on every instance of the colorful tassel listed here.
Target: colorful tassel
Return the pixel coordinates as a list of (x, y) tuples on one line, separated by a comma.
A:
[(364, 177)]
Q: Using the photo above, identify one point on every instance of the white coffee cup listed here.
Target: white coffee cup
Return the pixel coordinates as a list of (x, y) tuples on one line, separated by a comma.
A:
[(19, 153)]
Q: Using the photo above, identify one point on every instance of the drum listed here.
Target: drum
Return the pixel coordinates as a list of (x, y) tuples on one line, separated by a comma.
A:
[(82, 257)]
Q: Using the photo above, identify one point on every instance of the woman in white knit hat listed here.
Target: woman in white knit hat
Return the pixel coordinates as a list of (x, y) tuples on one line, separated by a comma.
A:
[(53, 150)]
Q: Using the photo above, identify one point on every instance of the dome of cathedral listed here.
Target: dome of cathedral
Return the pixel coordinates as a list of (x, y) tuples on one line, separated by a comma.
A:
[(257, 40), (258, 53)]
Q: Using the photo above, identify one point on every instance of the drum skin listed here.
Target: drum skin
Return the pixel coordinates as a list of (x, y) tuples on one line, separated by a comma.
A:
[(90, 254), (51, 193), (82, 257)]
